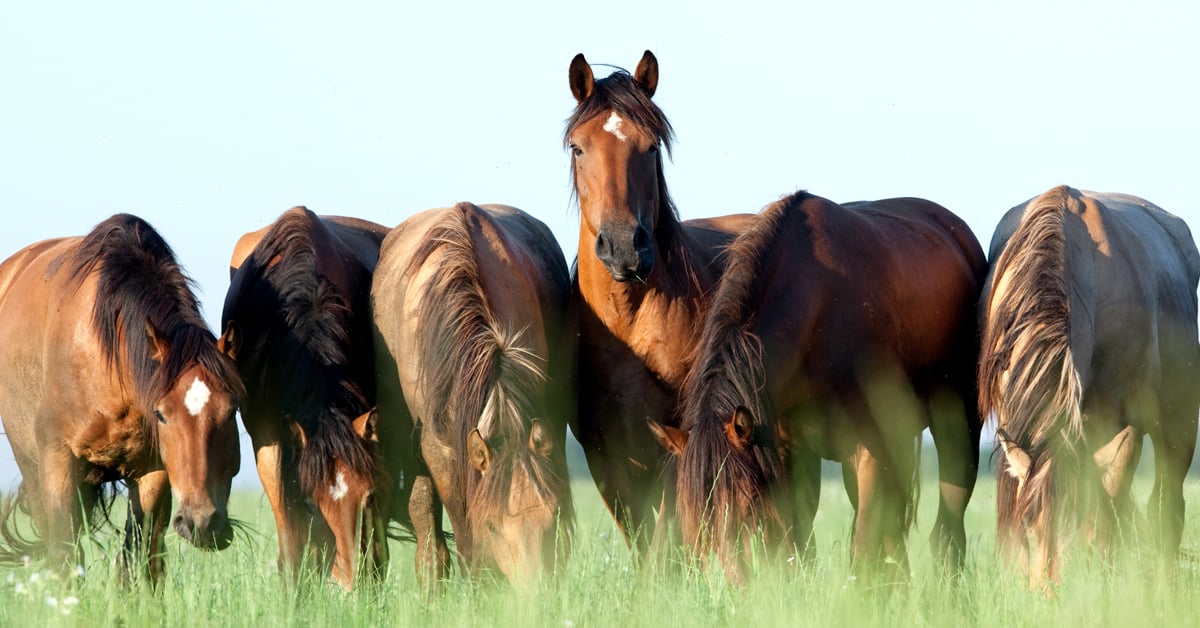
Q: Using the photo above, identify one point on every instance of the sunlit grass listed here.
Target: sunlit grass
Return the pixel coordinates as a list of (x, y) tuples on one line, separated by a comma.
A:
[(602, 585)]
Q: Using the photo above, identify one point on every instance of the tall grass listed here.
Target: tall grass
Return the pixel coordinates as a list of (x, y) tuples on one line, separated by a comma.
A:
[(602, 585)]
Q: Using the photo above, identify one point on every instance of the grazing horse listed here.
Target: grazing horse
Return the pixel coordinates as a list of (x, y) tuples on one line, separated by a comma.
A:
[(475, 359), (298, 318), (838, 332), (1089, 344), (639, 290), (108, 373)]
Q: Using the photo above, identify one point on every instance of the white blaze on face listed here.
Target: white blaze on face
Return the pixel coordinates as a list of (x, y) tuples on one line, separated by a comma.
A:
[(613, 125), (339, 488), (197, 396)]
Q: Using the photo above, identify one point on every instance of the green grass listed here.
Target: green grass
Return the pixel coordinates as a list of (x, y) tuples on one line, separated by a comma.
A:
[(602, 587)]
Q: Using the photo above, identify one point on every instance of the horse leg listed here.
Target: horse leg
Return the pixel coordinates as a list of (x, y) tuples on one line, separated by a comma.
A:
[(878, 541), (149, 507), (806, 479), (425, 511), (267, 459), (67, 501), (1172, 457), (956, 437)]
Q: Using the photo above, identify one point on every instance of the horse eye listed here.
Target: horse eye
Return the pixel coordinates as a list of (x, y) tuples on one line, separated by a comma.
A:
[(653, 149), (576, 150), (159, 415)]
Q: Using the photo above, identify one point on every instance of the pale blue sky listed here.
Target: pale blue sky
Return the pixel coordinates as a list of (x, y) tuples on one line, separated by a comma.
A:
[(210, 120)]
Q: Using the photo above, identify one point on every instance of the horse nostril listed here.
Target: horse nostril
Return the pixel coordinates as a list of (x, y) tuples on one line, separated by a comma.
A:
[(641, 239), (603, 247)]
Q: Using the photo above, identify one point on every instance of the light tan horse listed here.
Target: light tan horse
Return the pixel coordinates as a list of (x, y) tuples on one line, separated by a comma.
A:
[(1090, 344), (298, 317), (108, 373), (475, 359), (639, 288)]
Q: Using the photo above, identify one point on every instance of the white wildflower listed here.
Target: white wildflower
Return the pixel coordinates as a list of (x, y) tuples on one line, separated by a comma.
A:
[(51, 601)]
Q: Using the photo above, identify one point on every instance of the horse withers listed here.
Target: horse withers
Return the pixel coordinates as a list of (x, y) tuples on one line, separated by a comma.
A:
[(297, 316), (1089, 345), (838, 332), (475, 355), (108, 373), (639, 289)]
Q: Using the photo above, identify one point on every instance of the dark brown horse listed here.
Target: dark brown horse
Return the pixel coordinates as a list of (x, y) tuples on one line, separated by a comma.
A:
[(298, 317), (108, 373), (475, 359), (639, 287), (838, 332), (1090, 344)]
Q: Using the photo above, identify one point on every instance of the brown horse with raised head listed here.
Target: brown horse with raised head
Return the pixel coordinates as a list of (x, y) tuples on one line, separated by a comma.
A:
[(639, 289), (838, 332), (475, 360), (108, 373), (1090, 344), (298, 317)]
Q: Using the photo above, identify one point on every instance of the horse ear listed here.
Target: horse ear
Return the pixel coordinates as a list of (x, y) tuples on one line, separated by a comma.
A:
[(299, 434), (672, 439), (1114, 458), (478, 451), (581, 78), (158, 346), (646, 74), (1018, 459), (540, 440), (365, 425), (231, 341), (740, 428)]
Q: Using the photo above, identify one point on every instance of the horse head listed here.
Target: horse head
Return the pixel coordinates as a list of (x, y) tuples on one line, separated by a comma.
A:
[(726, 498), (614, 137), (345, 506), (198, 442), (515, 511)]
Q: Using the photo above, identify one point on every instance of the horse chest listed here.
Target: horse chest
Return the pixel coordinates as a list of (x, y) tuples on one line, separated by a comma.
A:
[(121, 445)]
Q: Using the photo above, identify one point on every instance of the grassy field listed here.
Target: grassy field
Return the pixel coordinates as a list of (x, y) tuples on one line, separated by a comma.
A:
[(602, 587)]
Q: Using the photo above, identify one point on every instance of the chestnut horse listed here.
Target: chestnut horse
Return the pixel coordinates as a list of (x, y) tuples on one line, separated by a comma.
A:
[(1090, 343), (298, 317), (475, 360), (108, 373), (639, 288), (837, 332)]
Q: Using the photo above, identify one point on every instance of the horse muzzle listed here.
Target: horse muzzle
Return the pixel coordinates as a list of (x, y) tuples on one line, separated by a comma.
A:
[(627, 254), (206, 530)]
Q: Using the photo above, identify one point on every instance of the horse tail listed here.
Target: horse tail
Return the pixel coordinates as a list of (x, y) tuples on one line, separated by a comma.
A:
[(17, 545), (1027, 375)]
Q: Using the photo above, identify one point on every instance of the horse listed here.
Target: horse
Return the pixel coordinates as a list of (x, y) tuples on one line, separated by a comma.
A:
[(1089, 344), (836, 332), (108, 374), (639, 290), (475, 357), (298, 316)]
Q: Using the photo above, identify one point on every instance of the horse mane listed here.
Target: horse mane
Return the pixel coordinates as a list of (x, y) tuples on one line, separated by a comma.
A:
[(727, 374), (139, 283), (620, 92), (1027, 376), (475, 372), (303, 355)]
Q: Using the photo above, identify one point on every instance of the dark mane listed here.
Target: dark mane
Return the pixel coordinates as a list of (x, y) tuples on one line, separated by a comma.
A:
[(140, 283), (477, 373), (728, 374), (620, 92), (303, 349), (1027, 340)]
